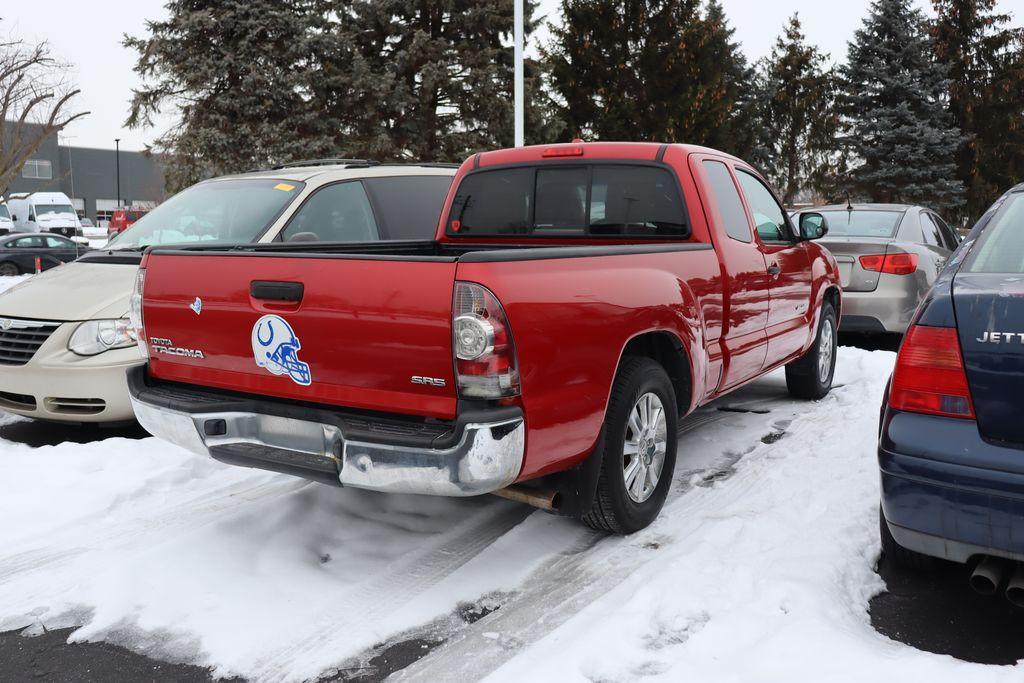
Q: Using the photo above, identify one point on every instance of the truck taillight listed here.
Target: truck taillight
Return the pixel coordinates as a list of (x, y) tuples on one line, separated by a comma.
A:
[(135, 311), (485, 355), (930, 376), (893, 264)]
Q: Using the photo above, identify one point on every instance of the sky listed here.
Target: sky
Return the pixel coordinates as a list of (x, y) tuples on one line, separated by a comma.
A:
[(87, 35)]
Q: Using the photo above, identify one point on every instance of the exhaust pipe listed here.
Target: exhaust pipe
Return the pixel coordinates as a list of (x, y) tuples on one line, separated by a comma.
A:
[(988, 575), (1015, 589), (545, 500)]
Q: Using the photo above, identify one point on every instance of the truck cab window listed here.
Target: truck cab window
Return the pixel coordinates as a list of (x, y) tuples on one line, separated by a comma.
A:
[(727, 198), (584, 200), (769, 217), (561, 200)]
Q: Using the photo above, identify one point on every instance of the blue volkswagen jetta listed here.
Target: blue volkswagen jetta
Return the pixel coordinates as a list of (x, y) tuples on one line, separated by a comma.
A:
[(951, 446)]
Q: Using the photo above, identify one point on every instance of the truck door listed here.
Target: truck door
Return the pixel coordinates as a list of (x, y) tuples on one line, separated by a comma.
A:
[(744, 273), (789, 271)]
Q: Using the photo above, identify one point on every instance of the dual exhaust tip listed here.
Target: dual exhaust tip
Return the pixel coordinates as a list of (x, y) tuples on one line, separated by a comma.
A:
[(992, 572)]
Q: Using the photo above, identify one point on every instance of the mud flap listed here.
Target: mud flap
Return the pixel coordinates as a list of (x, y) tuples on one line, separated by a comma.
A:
[(577, 486)]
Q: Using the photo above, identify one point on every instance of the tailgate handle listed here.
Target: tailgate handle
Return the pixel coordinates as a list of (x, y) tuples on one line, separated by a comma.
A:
[(276, 291)]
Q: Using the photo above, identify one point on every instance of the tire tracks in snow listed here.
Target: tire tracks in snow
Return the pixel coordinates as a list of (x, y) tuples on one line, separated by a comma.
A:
[(386, 594), (595, 564), (199, 509)]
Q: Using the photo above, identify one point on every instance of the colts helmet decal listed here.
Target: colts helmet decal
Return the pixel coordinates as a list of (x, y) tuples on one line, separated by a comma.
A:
[(276, 348)]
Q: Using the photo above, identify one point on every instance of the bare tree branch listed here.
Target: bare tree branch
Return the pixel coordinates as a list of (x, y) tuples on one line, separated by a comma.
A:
[(36, 102)]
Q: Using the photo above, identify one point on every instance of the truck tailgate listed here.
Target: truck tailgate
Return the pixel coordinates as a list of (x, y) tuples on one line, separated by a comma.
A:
[(361, 333)]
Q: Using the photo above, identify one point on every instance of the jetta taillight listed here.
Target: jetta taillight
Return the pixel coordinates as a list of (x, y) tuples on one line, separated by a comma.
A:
[(485, 356), (893, 264), (135, 311), (930, 376)]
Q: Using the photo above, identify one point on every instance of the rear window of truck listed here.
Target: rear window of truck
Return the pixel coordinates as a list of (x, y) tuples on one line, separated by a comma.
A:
[(577, 200)]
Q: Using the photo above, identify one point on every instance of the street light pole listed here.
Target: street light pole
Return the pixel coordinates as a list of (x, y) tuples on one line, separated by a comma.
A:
[(517, 40), (117, 165)]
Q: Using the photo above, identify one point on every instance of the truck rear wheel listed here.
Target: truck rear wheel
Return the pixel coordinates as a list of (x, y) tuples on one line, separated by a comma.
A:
[(639, 455), (810, 376)]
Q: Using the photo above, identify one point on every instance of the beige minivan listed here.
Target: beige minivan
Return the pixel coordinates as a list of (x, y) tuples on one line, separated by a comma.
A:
[(65, 342)]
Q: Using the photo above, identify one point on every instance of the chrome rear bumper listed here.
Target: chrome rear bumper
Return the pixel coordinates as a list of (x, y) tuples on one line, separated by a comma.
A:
[(484, 457)]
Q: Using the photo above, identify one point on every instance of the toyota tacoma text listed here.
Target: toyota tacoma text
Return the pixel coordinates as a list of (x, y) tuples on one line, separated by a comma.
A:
[(577, 301)]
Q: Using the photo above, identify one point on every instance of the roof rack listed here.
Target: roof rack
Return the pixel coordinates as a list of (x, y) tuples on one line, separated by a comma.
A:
[(325, 162), (425, 164), (361, 163)]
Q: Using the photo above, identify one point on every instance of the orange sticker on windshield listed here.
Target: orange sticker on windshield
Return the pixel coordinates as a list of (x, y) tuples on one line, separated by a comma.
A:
[(284, 187)]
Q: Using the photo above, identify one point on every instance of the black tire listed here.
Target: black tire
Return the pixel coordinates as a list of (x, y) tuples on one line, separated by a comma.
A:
[(7, 269), (900, 556), (803, 376), (613, 509)]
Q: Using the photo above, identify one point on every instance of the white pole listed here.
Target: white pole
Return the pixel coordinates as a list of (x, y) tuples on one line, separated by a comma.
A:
[(518, 77)]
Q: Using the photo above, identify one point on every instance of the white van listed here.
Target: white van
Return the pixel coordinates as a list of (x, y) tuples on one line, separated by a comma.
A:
[(44, 212), (6, 224)]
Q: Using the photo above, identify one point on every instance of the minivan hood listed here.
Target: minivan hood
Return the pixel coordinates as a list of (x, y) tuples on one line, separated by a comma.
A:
[(74, 291)]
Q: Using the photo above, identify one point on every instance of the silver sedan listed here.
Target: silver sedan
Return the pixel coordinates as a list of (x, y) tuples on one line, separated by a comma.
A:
[(888, 257)]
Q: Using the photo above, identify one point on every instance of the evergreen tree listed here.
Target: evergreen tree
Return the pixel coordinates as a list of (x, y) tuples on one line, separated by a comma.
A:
[(433, 81), (799, 118), (239, 73), (985, 58), (651, 69), (901, 136)]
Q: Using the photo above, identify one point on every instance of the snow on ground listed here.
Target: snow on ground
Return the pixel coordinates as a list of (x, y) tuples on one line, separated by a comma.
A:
[(8, 281), (97, 236), (759, 569)]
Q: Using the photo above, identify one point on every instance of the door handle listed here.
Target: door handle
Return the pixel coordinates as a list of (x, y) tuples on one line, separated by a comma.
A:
[(774, 269), (276, 291)]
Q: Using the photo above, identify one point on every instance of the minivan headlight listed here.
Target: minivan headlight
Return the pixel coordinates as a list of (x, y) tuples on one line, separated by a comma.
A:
[(96, 336)]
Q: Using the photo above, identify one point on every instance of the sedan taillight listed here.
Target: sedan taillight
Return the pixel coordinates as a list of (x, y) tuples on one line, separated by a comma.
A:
[(930, 376), (893, 264)]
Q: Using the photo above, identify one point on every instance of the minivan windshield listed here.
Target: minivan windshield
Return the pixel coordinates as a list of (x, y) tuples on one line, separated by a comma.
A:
[(4, 213), (60, 209), (231, 211), (1000, 248), (862, 223)]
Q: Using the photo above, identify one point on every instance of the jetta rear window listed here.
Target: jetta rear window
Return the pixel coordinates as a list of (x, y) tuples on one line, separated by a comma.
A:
[(571, 200)]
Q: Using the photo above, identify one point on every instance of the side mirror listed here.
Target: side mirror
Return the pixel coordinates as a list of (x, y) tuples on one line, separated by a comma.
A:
[(813, 226), (14, 217)]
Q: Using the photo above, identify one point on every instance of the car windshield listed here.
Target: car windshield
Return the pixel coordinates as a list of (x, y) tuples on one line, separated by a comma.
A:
[(56, 209), (227, 211), (1000, 248), (4, 213), (862, 223)]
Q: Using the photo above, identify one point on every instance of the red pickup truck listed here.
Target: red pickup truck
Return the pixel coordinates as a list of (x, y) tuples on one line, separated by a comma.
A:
[(577, 301)]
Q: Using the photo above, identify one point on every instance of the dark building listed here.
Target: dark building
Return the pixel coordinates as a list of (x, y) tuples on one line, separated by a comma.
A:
[(89, 176)]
